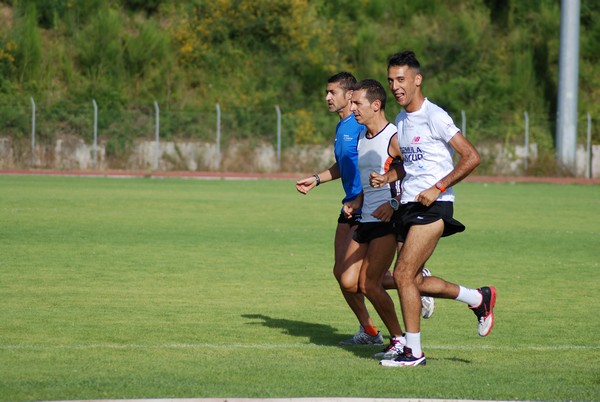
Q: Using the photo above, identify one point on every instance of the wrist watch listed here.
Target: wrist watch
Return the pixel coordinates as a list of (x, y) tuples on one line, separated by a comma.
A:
[(440, 186), (394, 204)]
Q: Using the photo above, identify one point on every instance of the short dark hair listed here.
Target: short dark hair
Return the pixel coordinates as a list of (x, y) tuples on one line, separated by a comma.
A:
[(374, 91), (345, 79), (405, 58)]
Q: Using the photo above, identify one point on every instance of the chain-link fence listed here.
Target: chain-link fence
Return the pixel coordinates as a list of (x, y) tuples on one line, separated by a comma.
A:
[(260, 138)]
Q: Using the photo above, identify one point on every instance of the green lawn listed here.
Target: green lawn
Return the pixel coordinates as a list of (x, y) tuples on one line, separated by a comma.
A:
[(171, 288)]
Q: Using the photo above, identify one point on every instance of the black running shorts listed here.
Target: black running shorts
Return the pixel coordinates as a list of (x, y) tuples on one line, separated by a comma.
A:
[(367, 231), (415, 213), (350, 221)]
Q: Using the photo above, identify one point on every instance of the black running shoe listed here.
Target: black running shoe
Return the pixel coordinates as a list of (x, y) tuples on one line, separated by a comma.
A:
[(485, 311)]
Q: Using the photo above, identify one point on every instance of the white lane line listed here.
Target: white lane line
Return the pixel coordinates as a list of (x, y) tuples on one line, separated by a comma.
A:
[(281, 346)]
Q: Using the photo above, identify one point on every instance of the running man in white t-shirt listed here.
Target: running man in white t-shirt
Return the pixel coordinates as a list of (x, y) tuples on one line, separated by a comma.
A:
[(428, 138)]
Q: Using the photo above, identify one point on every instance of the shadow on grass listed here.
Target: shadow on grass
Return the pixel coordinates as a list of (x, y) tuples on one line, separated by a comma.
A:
[(317, 334), (326, 335), (453, 360)]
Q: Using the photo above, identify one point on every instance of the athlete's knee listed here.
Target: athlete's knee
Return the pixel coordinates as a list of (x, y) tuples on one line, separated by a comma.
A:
[(371, 288), (348, 285), (364, 287), (403, 275), (351, 289)]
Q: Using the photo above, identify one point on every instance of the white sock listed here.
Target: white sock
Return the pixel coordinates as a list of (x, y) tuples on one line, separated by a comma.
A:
[(413, 341), (470, 296)]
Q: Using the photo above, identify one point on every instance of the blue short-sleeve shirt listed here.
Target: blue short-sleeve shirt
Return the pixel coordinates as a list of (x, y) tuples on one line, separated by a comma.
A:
[(346, 155)]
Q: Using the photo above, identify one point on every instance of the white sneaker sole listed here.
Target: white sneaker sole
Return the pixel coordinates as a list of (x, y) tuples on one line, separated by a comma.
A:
[(484, 328), (427, 306), (394, 363), (427, 303)]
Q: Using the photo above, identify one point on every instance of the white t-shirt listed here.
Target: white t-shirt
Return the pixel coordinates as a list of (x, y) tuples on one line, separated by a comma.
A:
[(424, 138), (373, 156)]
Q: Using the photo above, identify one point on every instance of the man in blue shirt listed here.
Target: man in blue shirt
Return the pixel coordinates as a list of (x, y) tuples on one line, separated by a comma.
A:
[(338, 95)]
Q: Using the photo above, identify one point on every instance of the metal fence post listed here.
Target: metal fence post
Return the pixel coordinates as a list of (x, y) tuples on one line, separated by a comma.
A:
[(32, 132), (589, 146), (218, 135), (278, 136), (526, 141), (157, 133), (464, 123), (95, 132)]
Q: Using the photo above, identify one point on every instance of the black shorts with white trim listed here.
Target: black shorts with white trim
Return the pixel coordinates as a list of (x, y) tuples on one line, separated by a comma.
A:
[(415, 213)]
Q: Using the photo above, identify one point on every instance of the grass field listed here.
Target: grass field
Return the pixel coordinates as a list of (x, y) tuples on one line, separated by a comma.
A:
[(170, 288)]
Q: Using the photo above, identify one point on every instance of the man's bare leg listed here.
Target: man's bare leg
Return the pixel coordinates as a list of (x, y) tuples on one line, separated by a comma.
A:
[(418, 247), (347, 277)]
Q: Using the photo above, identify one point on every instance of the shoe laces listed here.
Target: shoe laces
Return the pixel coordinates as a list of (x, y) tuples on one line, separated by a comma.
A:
[(407, 352), (480, 311), (394, 344)]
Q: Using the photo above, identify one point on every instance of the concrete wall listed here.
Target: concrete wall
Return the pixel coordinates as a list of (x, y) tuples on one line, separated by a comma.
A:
[(71, 153)]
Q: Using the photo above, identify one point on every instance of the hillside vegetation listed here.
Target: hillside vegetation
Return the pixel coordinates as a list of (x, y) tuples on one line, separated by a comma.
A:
[(492, 59)]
